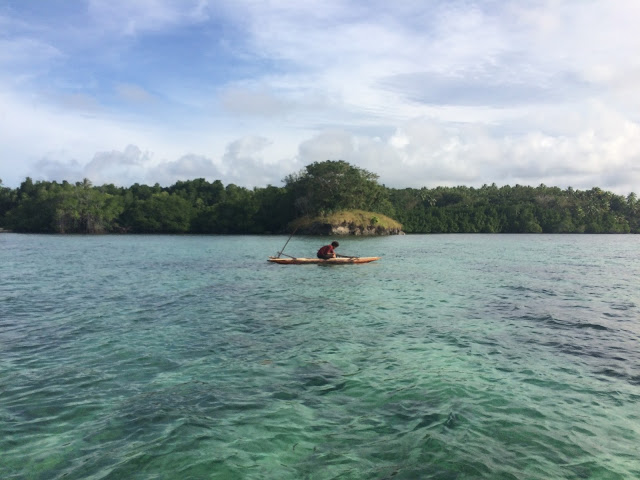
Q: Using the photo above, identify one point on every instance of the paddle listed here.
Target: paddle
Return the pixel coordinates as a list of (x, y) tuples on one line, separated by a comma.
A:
[(344, 256), (285, 245)]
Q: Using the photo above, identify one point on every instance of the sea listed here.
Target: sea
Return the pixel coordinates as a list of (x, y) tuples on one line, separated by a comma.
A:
[(192, 357)]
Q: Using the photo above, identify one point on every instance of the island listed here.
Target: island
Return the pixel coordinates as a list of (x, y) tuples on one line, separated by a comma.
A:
[(331, 197), (347, 222)]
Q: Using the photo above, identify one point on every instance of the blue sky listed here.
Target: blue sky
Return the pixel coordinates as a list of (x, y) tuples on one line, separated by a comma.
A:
[(423, 93)]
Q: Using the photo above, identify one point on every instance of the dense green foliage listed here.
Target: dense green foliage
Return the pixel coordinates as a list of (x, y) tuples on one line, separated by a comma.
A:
[(199, 206), (325, 187), (519, 209)]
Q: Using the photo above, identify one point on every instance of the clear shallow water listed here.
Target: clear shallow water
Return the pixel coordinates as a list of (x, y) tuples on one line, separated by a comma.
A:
[(466, 356)]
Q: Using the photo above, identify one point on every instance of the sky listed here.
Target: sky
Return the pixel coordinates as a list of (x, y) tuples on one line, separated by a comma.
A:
[(424, 93)]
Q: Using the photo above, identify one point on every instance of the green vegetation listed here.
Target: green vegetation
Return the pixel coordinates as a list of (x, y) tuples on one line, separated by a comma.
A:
[(519, 209), (331, 191), (325, 187)]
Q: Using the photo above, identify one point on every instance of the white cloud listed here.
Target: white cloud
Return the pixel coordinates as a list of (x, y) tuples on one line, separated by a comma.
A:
[(187, 167), (244, 159), (56, 167), (427, 152), (451, 92), (119, 167), (123, 168), (335, 145)]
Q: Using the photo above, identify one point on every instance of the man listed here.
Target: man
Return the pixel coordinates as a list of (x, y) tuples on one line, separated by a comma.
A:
[(328, 251)]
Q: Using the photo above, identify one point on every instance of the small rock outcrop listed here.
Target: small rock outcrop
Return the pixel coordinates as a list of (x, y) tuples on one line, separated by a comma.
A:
[(344, 229)]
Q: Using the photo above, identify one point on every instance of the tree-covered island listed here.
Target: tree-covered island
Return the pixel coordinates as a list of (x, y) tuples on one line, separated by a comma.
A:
[(331, 197)]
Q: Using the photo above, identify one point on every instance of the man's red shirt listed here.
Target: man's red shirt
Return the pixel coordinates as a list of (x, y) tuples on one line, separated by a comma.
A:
[(326, 250)]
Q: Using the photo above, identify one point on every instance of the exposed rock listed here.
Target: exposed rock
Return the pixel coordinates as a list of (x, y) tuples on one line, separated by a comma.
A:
[(344, 229)]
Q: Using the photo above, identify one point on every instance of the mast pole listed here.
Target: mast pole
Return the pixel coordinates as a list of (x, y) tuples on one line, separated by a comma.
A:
[(285, 245)]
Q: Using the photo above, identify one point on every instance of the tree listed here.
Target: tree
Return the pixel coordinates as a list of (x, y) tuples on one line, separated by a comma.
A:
[(7, 202), (160, 213), (202, 207), (35, 208), (332, 185), (274, 209)]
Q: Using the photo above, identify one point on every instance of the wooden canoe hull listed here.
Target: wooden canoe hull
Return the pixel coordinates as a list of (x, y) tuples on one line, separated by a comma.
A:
[(319, 261)]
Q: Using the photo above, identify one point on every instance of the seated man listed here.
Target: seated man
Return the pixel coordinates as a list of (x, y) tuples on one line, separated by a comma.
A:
[(328, 251)]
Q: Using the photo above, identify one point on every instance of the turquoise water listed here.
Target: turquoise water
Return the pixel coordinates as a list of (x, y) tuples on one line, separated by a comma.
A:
[(191, 357)]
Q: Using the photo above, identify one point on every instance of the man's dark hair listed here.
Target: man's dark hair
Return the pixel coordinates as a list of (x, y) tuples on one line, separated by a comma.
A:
[(335, 244)]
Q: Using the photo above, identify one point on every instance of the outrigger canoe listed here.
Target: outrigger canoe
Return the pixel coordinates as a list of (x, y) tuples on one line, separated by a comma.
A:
[(329, 261)]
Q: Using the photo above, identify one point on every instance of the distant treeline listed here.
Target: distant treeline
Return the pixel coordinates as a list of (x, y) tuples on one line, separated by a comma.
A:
[(200, 206)]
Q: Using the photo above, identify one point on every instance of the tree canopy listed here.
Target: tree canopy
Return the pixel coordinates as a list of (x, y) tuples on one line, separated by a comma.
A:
[(325, 187), (321, 188)]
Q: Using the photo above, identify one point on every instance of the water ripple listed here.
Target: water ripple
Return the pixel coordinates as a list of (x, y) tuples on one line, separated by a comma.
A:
[(454, 357)]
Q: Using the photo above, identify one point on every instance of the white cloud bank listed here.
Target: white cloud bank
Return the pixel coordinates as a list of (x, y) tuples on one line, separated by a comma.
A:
[(421, 93)]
